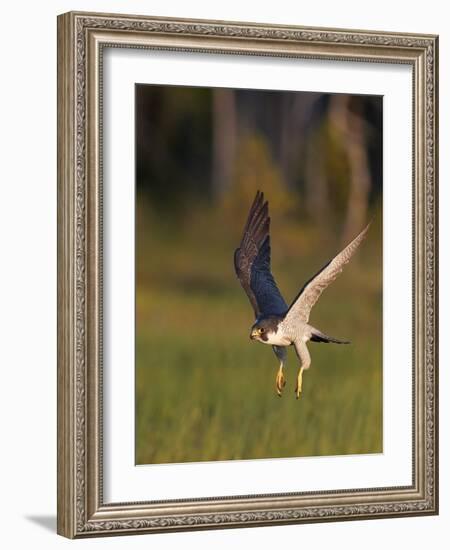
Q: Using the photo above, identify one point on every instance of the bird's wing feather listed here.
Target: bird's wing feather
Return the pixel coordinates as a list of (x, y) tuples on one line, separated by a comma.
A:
[(252, 262), (300, 308)]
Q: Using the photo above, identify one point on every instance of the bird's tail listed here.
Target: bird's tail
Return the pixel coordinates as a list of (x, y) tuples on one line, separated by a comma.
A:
[(317, 336)]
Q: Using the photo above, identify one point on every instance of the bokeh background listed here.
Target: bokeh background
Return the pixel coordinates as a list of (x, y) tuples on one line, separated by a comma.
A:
[(203, 390)]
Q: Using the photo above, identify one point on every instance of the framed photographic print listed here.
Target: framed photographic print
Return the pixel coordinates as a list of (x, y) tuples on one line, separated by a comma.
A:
[(247, 287)]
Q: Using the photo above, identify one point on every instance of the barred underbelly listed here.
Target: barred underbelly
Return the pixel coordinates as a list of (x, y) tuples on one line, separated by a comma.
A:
[(298, 332)]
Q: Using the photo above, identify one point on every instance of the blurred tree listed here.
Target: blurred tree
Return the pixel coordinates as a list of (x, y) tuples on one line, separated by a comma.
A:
[(256, 170), (297, 120), (194, 145), (224, 122), (353, 131), (316, 181), (173, 143)]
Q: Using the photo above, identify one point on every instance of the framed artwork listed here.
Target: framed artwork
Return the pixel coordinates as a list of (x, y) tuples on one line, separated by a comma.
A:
[(247, 287)]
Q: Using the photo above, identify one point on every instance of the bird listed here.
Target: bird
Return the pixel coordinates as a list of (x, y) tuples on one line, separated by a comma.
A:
[(276, 323)]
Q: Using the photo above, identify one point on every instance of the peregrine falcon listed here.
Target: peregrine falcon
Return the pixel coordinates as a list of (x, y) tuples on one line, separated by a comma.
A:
[(276, 323)]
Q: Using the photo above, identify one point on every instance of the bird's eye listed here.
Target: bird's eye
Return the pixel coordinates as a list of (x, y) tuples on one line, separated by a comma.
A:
[(261, 330)]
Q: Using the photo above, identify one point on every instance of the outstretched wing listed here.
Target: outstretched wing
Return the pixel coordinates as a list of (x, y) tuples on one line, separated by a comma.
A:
[(252, 262), (300, 308)]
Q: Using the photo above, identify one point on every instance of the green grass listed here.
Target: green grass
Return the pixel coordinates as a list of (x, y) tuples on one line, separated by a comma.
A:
[(205, 392)]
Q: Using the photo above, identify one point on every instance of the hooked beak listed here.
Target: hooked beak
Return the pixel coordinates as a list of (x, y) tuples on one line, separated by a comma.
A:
[(254, 334)]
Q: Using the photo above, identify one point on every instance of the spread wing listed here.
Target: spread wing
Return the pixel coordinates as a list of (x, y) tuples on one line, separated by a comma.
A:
[(300, 308), (252, 262)]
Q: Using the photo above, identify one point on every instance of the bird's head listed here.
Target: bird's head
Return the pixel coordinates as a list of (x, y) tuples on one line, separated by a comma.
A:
[(264, 328)]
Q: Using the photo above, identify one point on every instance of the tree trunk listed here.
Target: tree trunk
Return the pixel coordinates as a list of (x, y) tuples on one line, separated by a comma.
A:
[(353, 130), (224, 139), (316, 184)]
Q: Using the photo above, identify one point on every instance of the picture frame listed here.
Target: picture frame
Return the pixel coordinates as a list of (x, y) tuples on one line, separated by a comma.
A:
[(82, 40)]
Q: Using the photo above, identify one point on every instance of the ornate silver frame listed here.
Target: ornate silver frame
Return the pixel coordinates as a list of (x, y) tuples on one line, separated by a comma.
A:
[(81, 38)]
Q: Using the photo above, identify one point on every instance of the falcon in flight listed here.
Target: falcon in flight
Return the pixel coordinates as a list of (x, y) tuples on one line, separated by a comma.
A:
[(276, 323)]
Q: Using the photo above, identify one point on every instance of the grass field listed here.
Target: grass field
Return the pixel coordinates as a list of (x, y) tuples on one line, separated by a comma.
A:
[(205, 392)]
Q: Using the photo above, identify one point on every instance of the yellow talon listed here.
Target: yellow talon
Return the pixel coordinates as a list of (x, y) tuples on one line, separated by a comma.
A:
[(280, 381), (298, 389)]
